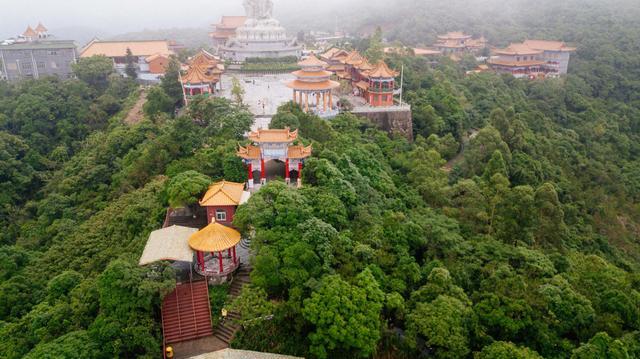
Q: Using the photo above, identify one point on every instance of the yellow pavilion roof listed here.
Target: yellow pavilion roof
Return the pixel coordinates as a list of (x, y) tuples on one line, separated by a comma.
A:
[(382, 71), (223, 193), (312, 61), (214, 238)]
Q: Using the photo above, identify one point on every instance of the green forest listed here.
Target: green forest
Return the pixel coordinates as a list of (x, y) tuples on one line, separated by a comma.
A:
[(509, 228)]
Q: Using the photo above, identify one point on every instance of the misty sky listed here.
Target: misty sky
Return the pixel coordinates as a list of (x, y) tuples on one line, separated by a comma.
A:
[(112, 16), (121, 16)]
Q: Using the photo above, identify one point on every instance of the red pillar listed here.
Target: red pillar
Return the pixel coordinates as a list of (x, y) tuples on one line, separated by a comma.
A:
[(250, 169), (235, 259), (200, 260), (299, 172), (263, 172), (220, 262), (287, 176), (229, 252)]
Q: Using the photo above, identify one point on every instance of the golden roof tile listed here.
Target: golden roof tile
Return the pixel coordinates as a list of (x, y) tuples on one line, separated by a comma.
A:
[(223, 193), (214, 238), (249, 152), (310, 86), (273, 135), (119, 48), (299, 152), (548, 45), (381, 70)]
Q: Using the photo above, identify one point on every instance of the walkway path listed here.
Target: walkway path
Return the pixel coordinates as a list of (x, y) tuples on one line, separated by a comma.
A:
[(136, 113), (458, 158)]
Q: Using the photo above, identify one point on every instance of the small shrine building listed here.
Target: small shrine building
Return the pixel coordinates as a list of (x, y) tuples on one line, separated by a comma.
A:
[(221, 201), (274, 145), (313, 81)]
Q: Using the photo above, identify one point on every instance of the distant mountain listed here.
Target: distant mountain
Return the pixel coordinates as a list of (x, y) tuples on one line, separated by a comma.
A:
[(81, 35)]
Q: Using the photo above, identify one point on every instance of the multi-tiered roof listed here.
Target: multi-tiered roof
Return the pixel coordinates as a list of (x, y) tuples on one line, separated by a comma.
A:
[(313, 76)]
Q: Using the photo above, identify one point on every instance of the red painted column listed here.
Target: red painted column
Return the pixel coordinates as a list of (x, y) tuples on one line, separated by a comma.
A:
[(263, 172), (250, 170), (299, 174), (200, 260), (235, 259), (220, 261), (287, 176), (229, 252)]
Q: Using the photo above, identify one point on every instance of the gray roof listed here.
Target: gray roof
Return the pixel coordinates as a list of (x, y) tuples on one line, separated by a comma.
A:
[(40, 45)]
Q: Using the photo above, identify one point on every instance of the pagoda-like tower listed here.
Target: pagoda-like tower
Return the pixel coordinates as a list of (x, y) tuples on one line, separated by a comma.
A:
[(202, 76), (381, 85), (273, 145), (313, 81)]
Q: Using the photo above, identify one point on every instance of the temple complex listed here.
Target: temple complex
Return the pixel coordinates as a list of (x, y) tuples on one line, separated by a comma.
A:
[(374, 83), (225, 30), (556, 54), (313, 81), (203, 73), (518, 60), (274, 146), (261, 36), (458, 42)]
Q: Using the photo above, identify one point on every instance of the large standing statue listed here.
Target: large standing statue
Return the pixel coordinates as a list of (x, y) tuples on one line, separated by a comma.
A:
[(258, 9)]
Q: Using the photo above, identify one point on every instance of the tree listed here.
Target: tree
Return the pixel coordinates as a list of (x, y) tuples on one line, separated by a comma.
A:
[(237, 91), (170, 82), (187, 188), (158, 102), (346, 317), (95, 71), (550, 226), (131, 69), (506, 350), (375, 52), (442, 324)]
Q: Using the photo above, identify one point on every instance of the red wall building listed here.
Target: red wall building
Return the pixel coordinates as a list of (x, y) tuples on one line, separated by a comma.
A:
[(221, 201)]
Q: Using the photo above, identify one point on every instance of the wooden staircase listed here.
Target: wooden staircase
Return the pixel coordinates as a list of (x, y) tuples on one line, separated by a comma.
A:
[(186, 313), (228, 329)]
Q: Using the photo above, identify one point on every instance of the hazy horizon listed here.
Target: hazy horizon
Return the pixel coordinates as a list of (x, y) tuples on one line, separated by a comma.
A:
[(123, 16)]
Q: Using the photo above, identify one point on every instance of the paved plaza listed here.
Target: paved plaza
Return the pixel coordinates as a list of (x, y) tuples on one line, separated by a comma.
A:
[(263, 93)]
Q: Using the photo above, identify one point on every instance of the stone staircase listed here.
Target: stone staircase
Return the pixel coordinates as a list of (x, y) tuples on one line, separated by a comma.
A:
[(227, 329), (186, 314)]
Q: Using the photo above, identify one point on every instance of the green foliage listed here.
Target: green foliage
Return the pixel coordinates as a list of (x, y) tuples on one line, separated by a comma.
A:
[(131, 68), (506, 350), (346, 317), (158, 102), (170, 82), (94, 70), (186, 188)]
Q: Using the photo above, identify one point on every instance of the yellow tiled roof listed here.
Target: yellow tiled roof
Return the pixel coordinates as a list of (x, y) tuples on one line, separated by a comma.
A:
[(214, 238), (223, 193), (119, 48), (273, 135), (299, 152), (249, 152)]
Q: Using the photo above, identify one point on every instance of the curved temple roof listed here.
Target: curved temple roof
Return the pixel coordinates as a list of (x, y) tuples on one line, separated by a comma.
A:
[(214, 238)]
